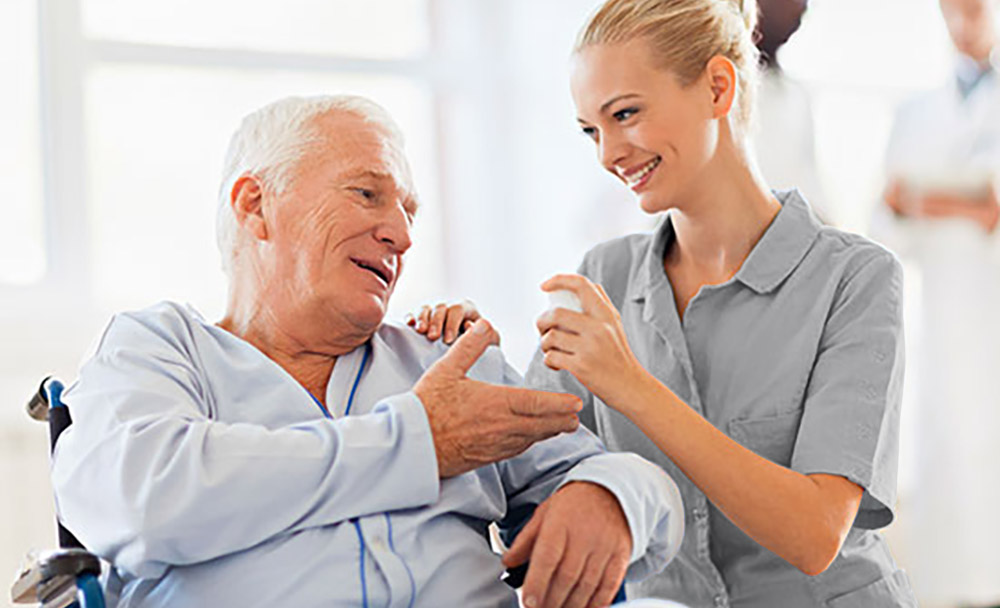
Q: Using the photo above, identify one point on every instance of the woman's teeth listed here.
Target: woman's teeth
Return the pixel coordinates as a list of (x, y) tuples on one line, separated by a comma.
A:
[(637, 177)]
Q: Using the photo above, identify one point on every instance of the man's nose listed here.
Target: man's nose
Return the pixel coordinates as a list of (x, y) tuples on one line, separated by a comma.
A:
[(394, 229)]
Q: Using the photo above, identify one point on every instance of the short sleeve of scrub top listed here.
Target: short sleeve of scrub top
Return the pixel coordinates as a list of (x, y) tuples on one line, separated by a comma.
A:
[(849, 424)]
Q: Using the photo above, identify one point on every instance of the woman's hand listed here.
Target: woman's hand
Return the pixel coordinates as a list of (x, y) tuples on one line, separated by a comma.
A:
[(448, 322), (590, 345)]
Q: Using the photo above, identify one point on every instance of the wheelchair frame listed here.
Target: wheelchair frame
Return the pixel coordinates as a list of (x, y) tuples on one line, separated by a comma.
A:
[(67, 577)]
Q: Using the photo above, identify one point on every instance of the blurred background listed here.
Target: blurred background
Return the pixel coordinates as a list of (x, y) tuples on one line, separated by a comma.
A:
[(115, 116)]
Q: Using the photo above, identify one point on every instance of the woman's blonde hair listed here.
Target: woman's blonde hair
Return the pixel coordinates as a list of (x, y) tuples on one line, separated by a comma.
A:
[(683, 36)]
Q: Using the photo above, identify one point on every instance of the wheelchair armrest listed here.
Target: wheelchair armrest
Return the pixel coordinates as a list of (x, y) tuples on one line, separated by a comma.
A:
[(52, 576)]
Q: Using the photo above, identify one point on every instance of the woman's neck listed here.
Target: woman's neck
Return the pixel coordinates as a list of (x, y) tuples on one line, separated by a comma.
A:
[(722, 219)]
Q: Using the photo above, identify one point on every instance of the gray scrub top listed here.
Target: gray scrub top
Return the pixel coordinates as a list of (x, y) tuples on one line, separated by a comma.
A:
[(798, 357)]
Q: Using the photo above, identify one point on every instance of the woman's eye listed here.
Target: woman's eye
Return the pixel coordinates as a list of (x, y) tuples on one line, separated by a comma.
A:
[(590, 132), (624, 114)]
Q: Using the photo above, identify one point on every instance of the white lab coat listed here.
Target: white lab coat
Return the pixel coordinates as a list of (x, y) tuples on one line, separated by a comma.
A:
[(783, 139), (942, 141)]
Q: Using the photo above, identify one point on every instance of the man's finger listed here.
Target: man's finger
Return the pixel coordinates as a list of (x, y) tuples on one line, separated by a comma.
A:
[(528, 402), (566, 577), (611, 582), (466, 350), (541, 428), (545, 558), (520, 551), (586, 581)]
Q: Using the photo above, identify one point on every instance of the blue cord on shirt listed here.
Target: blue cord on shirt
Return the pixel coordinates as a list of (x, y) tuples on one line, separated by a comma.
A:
[(357, 524), (361, 561), (413, 584), (354, 389)]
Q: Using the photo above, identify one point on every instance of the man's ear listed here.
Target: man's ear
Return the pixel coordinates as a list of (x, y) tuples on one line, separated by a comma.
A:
[(247, 201), (723, 81)]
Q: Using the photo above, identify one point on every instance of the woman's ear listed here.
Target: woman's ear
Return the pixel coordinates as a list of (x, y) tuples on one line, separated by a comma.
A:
[(247, 200), (723, 82)]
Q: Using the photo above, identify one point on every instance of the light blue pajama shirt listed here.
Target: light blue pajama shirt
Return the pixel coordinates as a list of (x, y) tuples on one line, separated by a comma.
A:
[(209, 477)]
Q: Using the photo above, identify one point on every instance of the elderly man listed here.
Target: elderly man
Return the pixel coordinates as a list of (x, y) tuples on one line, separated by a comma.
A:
[(301, 452)]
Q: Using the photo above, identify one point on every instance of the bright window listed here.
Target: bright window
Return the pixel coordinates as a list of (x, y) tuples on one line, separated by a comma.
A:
[(22, 246), (377, 29)]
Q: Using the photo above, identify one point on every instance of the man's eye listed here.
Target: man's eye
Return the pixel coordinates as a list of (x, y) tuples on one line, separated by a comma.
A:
[(365, 192), (624, 114)]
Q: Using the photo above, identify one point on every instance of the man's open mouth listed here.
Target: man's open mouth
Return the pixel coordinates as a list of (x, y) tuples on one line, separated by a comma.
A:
[(375, 269)]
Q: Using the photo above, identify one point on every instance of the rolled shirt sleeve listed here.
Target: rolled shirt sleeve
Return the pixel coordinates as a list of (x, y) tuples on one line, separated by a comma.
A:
[(850, 422), (146, 479)]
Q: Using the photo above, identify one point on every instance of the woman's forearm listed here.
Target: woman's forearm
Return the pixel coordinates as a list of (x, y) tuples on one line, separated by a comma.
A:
[(803, 519)]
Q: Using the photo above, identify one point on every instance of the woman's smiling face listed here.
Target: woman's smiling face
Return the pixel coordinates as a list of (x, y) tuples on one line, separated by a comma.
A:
[(651, 132)]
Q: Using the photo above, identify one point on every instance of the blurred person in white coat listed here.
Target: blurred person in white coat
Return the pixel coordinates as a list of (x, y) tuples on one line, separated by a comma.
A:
[(784, 132), (940, 212)]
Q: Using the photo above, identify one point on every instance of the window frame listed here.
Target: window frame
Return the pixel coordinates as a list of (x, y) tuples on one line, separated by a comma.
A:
[(65, 58)]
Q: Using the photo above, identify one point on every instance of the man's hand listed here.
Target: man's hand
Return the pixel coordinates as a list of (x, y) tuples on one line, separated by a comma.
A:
[(579, 545), (476, 423), (984, 210), (894, 198)]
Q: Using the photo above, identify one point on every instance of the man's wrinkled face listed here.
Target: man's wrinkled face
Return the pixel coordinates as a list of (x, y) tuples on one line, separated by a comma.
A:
[(338, 233)]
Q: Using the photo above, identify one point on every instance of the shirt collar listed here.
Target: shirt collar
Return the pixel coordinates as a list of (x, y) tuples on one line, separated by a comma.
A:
[(969, 73), (783, 246)]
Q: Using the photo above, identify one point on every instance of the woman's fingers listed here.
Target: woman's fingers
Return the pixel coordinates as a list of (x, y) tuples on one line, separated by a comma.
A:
[(561, 341), (436, 325), (564, 319), (557, 360), (446, 321), (424, 319), (583, 288), (456, 315)]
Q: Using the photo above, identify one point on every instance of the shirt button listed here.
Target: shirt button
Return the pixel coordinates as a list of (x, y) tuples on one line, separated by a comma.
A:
[(720, 601), (698, 512)]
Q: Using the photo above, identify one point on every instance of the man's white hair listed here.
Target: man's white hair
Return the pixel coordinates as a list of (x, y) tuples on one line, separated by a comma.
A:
[(269, 143)]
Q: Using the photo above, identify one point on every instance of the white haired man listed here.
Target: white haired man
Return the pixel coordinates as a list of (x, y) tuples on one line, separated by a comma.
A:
[(301, 452)]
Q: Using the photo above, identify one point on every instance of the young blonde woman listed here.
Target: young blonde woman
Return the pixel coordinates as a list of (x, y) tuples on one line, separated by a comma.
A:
[(753, 353)]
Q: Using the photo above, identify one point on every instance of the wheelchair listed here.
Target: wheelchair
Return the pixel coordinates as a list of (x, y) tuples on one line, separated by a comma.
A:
[(67, 577)]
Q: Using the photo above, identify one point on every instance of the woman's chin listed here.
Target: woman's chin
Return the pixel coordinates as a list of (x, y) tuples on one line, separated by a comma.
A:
[(652, 204)]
